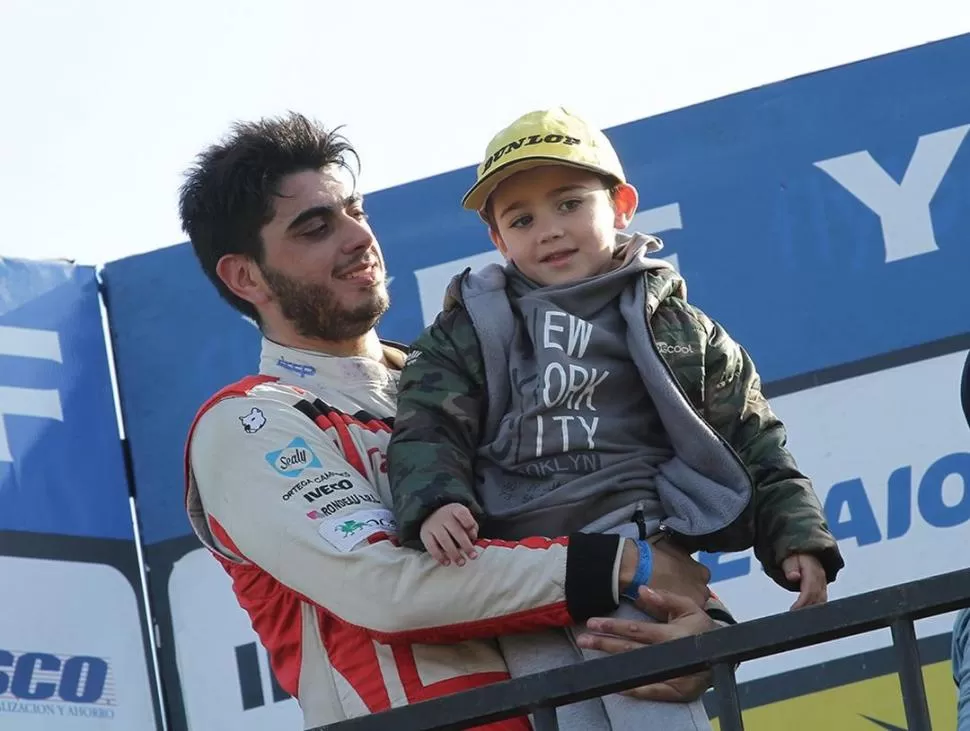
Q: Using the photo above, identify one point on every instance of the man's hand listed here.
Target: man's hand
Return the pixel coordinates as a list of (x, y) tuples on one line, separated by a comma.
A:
[(673, 571), (449, 531), (684, 617), (806, 571)]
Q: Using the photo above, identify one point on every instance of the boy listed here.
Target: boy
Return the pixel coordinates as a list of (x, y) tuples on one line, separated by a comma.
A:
[(576, 389)]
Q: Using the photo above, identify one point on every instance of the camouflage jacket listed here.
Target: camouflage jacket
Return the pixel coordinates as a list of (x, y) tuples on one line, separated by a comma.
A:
[(442, 407)]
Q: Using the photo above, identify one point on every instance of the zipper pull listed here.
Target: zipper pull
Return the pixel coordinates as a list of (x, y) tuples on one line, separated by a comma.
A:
[(641, 522)]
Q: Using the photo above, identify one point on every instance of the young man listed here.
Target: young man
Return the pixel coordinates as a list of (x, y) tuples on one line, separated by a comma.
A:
[(576, 389), (285, 477)]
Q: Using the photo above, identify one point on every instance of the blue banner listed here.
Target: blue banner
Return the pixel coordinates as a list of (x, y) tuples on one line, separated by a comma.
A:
[(822, 220), (61, 465), (66, 532), (176, 343)]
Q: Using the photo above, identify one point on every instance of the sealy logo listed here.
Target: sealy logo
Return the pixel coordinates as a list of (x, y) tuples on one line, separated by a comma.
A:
[(301, 369), (293, 459)]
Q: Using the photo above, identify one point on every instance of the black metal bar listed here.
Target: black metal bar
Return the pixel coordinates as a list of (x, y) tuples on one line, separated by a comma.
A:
[(911, 675), (733, 644), (544, 719), (726, 687)]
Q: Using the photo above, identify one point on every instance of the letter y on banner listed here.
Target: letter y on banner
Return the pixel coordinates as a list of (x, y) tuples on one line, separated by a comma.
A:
[(903, 208)]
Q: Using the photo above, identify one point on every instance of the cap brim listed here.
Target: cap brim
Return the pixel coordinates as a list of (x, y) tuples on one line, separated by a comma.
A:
[(478, 194)]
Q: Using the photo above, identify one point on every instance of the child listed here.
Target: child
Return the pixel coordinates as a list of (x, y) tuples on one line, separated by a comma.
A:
[(576, 389)]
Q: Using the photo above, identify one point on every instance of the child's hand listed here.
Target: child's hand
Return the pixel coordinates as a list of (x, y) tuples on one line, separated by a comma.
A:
[(448, 531), (805, 570)]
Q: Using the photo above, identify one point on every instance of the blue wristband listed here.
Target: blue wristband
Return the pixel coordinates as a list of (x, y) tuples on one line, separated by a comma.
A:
[(643, 572)]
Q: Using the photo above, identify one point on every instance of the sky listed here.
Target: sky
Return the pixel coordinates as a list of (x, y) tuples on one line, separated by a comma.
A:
[(106, 102)]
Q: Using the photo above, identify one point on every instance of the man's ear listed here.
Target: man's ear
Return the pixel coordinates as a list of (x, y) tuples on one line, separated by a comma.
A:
[(241, 274), (625, 201), (496, 238)]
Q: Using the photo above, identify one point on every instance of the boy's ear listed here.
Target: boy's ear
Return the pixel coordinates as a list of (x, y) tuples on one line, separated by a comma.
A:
[(496, 238), (625, 201)]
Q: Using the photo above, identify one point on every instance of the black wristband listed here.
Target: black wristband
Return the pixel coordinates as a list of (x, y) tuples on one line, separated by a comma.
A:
[(589, 575)]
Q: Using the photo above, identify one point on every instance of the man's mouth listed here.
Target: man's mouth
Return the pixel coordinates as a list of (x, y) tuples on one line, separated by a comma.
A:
[(366, 272)]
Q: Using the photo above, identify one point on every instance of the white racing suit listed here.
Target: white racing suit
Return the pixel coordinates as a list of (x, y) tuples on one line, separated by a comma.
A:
[(286, 485)]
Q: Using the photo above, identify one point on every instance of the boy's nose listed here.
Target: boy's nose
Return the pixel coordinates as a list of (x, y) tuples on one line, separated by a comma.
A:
[(551, 233)]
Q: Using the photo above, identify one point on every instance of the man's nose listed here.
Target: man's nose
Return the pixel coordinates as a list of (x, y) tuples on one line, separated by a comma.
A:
[(359, 237)]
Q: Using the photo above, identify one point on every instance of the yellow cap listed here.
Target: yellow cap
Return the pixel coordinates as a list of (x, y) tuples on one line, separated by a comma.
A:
[(545, 137)]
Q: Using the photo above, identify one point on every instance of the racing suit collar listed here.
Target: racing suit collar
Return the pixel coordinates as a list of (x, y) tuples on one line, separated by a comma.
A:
[(312, 370)]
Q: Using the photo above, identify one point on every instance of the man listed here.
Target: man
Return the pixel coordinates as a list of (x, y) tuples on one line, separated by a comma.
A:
[(285, 471)]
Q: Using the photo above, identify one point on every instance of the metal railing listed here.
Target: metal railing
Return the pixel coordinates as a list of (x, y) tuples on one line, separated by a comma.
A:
[(896, 607)]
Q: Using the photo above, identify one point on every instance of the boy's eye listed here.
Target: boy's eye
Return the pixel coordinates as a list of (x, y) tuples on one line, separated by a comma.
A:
[(359, 214), (521, 221), (570, 205)]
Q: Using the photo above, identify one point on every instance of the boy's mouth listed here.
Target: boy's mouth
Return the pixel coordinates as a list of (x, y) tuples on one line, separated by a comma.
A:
[(557, 257)]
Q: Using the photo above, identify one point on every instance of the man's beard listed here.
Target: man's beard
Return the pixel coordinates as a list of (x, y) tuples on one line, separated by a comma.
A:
[(315, 313)]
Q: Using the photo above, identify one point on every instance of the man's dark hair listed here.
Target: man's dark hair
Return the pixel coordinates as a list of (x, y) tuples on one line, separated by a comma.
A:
[(227, 196)]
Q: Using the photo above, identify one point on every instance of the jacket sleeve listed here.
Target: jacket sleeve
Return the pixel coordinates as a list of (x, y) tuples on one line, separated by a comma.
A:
[(788, 516), (961, 667), (441, 400), (343, 558)]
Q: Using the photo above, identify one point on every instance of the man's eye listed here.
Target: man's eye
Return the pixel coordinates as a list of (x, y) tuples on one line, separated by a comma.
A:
[(316, 231)]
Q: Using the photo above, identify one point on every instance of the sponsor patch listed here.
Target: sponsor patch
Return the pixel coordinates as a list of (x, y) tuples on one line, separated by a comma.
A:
[(293, 458), (253, 421), (342, 502), (301, 369), (317, 479), (345, 531)]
